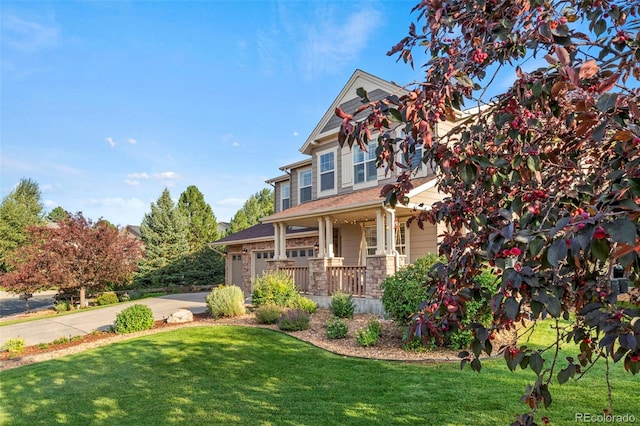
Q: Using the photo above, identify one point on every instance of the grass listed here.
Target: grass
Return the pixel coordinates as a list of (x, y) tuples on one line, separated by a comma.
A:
[(235, 375)]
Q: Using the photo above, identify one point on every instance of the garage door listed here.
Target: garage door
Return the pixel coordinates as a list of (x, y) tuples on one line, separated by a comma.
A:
[(260, 263)]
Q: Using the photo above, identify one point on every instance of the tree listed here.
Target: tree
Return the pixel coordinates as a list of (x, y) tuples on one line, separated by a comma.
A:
[(19, 209), (203, 226), (164, 232), (542, 182), (258, 205), (57, 214), (76, 254)]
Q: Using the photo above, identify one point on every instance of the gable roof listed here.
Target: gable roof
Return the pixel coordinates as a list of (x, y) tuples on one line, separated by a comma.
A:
[(348, 100)]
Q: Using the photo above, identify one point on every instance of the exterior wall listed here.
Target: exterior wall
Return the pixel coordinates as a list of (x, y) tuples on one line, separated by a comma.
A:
[(350, 244), (422, 241), (379, 268), (318, 277)]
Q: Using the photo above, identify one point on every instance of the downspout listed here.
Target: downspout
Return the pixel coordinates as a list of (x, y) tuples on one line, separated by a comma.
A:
[(393, 247)]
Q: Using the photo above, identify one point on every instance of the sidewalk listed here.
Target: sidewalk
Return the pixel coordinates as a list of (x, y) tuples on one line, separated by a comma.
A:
[(48, 329)]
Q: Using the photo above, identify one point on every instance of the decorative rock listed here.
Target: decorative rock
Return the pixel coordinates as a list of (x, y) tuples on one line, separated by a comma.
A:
[(180, 316)]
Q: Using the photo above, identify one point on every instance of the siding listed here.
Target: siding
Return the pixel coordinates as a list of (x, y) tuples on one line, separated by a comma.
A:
[(422, 241), (350, 244)]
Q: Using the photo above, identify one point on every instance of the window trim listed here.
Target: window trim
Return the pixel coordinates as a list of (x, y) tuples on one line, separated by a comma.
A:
[(371, 150), (300, 187), (319, 155), (282, 198)]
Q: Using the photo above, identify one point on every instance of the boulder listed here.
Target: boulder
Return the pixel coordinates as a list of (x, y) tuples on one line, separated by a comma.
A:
[(180, 316)]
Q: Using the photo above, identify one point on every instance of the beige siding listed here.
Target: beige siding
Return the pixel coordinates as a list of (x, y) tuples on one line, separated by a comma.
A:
[(422, 241), (350, 244)]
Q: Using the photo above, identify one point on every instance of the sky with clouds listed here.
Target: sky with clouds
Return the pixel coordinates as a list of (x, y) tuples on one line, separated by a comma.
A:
[(105, 104)]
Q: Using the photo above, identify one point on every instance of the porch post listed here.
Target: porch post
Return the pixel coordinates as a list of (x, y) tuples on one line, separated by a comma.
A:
[(276, 240), (320, 237), (283, 241), (380, 234), (391, 231), (329, 236)]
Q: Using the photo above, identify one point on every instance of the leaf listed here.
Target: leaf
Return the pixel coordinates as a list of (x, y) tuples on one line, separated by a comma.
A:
[(557, 252), (622, 230), (536, 362), (511, 307), (546, 395), (362, 93), (560, 224), (566, 373), (588, 69), (554, 307), (600, 27), (600, 249), (476, 365), (395, 114), (607, 102), (562, 55)]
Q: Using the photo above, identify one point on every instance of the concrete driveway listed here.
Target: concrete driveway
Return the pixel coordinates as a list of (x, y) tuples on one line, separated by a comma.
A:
[(49, 329)]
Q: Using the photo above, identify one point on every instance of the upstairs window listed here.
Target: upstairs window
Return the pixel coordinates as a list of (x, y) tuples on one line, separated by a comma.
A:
[(327, 171), (304, 179), (285, 196), (415, 158), (364, 164)]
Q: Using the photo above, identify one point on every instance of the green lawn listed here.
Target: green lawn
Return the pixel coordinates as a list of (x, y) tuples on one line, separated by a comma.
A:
[(250, 376)]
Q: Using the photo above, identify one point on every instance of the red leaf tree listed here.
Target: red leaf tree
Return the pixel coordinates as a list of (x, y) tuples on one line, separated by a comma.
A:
[(542, 180), (75, 253)]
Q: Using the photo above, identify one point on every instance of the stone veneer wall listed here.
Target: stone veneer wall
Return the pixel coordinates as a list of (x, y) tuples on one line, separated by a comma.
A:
[(318, 277), (378, 268)]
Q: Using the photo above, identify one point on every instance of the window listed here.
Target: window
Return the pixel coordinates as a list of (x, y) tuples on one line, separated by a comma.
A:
[(364, 164), (327, 171), (401, 237), (285, 195), (304, 182), (371, 238), (415, 158), (294, 253)]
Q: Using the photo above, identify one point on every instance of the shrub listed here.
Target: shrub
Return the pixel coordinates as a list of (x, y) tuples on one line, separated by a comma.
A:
[(294, 320), (370, 335), (107, 299), (125, 297), (63, 306), (134, 318), (268, 314), (337, 328), (274, 287), (404, 291), (61, 341), (304, 303), (14, 346), (226, 301), (342, 305)]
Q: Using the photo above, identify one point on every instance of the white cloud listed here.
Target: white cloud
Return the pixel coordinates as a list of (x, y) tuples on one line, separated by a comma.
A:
[(49, 187), (167, 178), (50, 204), (231, 202), (142, 175), (132, 141), (110, 142), (166, 175), (295, 133), (229, 138), (116, 202), (28, 36), (130, 182)]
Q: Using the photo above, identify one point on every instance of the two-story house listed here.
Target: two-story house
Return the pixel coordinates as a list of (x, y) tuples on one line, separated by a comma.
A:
[(331, 229)]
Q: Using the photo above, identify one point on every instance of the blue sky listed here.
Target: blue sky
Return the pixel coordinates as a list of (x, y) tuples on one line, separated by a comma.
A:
[(105, 104)]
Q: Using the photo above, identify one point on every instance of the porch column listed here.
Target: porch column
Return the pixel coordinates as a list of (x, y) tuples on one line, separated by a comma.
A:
[(283, 241), (391, 231), (380, 234), (321, 250), (329, 236), (276, 240)]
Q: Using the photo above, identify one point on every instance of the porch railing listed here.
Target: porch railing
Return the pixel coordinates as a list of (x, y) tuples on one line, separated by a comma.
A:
[(347, 279), (300, 275)]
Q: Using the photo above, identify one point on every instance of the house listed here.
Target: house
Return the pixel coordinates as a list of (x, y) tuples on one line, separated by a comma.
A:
[(331, 229)]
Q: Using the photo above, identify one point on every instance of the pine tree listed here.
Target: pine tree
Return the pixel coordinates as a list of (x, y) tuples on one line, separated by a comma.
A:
[(164, 232), (57, 214), (203, 226), (259, 205), (19, 209)]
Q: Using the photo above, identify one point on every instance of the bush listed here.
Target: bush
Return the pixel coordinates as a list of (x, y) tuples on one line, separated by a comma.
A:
[(107, 299), (268, 314), (134, 318), (124, 297), (304, 303), (370, 335), (63, 306), (14, 346), (274, 287), (226, 301), (294, 320), (404, 291), (342, 305), (337, 328)]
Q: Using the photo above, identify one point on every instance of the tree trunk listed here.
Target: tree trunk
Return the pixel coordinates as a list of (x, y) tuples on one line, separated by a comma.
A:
[(82, 297)]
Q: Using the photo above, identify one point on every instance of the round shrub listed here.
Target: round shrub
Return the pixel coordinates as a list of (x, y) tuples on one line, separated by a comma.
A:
[(304, 303), (294, 320), (337, 328), (367, 337), (342, 305), (226, 301), (14, 346), (63, 306), (124, 297), (268, 314), (275, 287), (134, 318), (404, 291), (107, 299)]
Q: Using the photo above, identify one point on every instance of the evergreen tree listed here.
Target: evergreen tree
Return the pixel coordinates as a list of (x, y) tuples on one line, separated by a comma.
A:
[(259, 205), (164, 232), (57, 214), (19, 209), (203, 226)]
